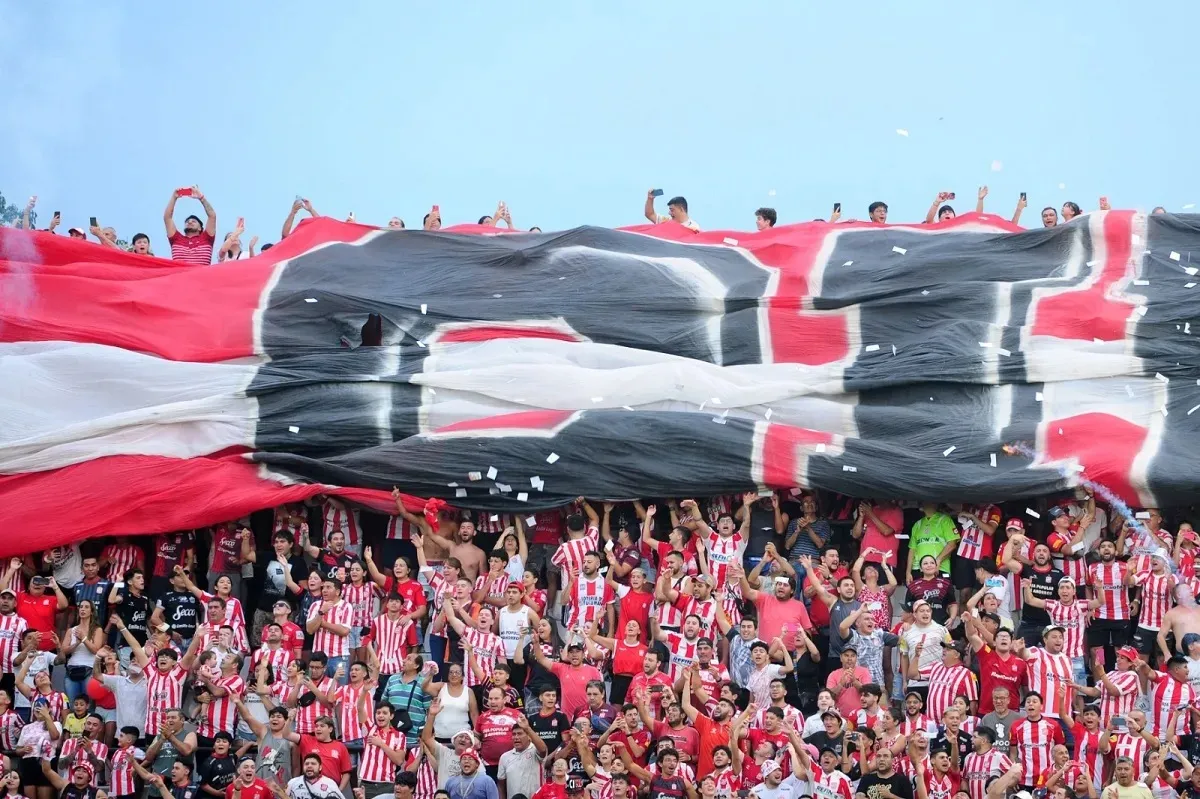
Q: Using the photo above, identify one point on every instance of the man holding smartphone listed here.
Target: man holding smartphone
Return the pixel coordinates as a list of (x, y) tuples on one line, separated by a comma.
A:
[(194, 246), (677, 211)]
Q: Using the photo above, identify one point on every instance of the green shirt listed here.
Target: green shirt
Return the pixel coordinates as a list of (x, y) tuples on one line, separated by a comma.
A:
[(929, 536)]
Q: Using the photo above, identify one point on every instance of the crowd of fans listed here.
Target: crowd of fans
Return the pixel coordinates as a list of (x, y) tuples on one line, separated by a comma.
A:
[(195, 242), (777, 644), (780, 644)]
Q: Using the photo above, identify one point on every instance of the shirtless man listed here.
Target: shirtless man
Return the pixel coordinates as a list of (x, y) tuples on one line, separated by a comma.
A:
[(1180, 620), (460, 544), (447, 530)]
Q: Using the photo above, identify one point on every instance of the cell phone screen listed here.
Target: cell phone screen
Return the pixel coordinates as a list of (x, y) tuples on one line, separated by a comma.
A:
[(657, 193), (92, 221), (837, 207)]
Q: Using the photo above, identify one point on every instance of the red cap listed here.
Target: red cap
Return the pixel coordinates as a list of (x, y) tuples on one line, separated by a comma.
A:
[(1014, 524), (1129, 653)]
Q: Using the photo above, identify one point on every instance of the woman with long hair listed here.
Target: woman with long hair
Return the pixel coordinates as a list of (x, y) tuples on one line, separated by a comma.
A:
[(79, 646), (457, 701), (359, 593), (876, 598), (536, 676), (512, 541), (235, 616), (103, 698), (627, 655)]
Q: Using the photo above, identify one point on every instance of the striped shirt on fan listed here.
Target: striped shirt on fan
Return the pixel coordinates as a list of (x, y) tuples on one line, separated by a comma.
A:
[(347, 696), (361, 599), (10, 730), (974, 545), (399, 529), (337, 517), (947, 683), (1033, 741), (1073, 619), (375, 765), (306, 717), (1168, 695), (12, 627), (1157, 598), (569, 555), (193, 250), (1046, 673), (220, 715), (1115, 596), (327, 641), (124, 778), (277, 659), (121, 558), (427, 780), (393, 638), (163, 692), (489, 649), (75, 754)]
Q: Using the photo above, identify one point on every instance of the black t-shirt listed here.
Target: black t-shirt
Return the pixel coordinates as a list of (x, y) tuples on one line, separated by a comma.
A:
[(135, 612), (550, 728), (74, 792), (1044, 587), (329, 562), (537, 677), (218, 772), (180, 612), (942, 743), (872, 786), (822, 740), (762, 531)]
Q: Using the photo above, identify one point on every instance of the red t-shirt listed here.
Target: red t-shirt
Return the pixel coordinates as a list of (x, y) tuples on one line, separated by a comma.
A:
[(496, 731), (38, 612), (549, 528), (775, 618), (195, 250), (293, 638), (551, 790), (685, 739), (818, 611), (411, 590), (255, 790), (335, 759), (642, 738), (226, 550), (995, 672), (635, 605)]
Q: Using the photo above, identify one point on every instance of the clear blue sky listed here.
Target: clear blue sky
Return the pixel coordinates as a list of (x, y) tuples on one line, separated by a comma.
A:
[(570, 111)]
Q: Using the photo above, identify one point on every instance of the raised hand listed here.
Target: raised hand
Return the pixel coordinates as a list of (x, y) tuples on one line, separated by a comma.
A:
[(982, 192)]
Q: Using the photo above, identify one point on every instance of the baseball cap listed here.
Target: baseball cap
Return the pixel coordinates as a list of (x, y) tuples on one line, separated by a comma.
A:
[(1015, 524), (824, 716), (1056, 512), (770, 766), (469, 752), (1129, 653), (919, 603), (78, 230), (574, 785), (1052, 628), (7, 591), (957, 646)]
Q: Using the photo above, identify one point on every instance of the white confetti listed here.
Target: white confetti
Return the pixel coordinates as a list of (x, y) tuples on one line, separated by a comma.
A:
[(849, 468), (847, 263), (294, 429), (771, 193), (1092, 263), (433, 391), (729, 241), (531, 521), (627, 407), (985, 343), (1141, 310), (522, 497), (1189, 285), (1174, 256), (993, 458), (902, 131), (769, 413), (871, 348), (925, 292), (421, 344), (474, 476), (1033, 513), (460, 492), (946, 452), (1162, 377), (820, 448), (497, 296), (1187, 328), (495, 517), (715, 400), (719, 419), (1038, 396), (900, 250), (1003, 352), (310, 299), (424, 308), (1193, 410), (1141, 282), (702, 404), (1142, 514), (1137, 239), (1163, 410), (1191, 270), (504, 487), (997, 166), (1129, 389), (492, 472), (552, 457), (533, 481), (451, 485), (893, 350)]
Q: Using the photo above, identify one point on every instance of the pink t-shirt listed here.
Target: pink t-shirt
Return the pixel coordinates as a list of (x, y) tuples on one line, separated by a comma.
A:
[(776, 617), (573, 682), (894, 518), (849, 701)]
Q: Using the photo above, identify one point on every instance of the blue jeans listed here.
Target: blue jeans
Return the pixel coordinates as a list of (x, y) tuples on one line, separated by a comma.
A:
[(76, 688), (332, 666), (437, 652)]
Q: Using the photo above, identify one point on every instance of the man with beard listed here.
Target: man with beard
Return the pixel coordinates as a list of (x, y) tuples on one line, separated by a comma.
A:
[(1066, 540), (460, 544), (312, 784), (839, 605), (573, 676), (590, 599), (682, 646), (713, 731), (885, 782), (937, 781), (334, 559), (724, 546), (684, 738), (780, 614), (195, 244), (1044, 580), (1110, 581)]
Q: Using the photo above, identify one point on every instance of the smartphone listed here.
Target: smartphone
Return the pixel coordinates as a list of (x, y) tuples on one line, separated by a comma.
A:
[(837, 207), (1022, 196), (186, 192), (656, 689), (92, 221), (241, 222), (950, 196), (656, 193), (58, 214), (436, 210), (299, 199), (1118, 722)]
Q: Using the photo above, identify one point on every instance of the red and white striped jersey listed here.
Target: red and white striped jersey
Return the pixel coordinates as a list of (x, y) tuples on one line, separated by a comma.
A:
[(124, 778), (665, 612), (427, 779), (683, 654), (601, 784), (1141, 547), (235, 617), (1087, 751), (723, 551), (12, 627), (337, 516), (489, 649), (1073, 618), (493, 523), (399, 529), (706, 610), (1119, 705), (73, 754), (374, 766), (838, 784), (589, 600), (947, 683), (221, 714), (442, 588), (1060, 547), (347, 697), (283, 523), (163, 692), (1046, 673), (974, 545), (904, 765), (361, 599), (712, 678), (728, 782), (392, 640), (1072, 772), (913, 724), (1157, 598), (340, 613), (1111, 577), (1132, 747), (277, 659), (306, 717), (1166, 695), (10, 730), (496, 584), (56, 701), (1033, 741), (970, 724), (791, 716), (121, 558), (569, 555)]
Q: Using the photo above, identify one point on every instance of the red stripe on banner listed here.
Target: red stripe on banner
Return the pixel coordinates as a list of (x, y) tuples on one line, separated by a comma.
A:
[(140, 495), (1106, 459), (493, 332), (781, 453), (525, 420), (55, 288), (1092, 312)]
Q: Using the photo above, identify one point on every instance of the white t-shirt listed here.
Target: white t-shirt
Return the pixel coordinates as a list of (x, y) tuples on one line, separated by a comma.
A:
[(38, 662), (931, 638), (322, 788), (1092, 534), (67, 565), (789, 788)]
